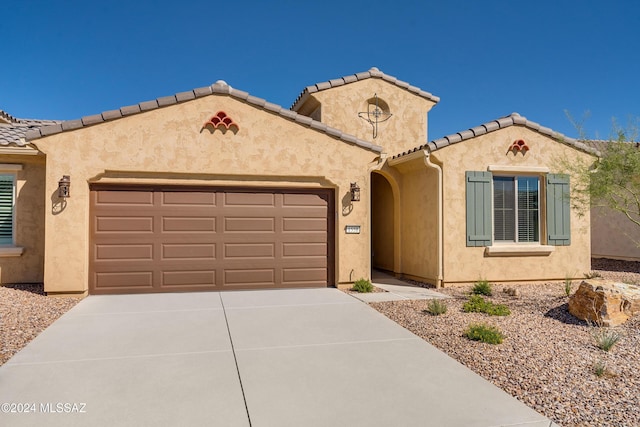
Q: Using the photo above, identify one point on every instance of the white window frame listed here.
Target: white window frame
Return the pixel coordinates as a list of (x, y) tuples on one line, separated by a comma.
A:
[(10, 249), (515, 178), (520, 249)]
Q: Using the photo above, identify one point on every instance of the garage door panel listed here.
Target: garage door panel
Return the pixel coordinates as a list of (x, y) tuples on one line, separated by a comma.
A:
[(135, 252), (249, 199), (189, 278), (250, 250), (304, 224), (119, 198), (188, 199), (108, 224), (124, 280), (188, 224), (189, 251), (304, 200), (182, 239), (258, 277), (304, 249), (304, 275), (250, 225)]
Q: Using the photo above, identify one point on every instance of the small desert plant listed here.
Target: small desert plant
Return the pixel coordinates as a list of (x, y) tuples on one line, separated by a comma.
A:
[(362, 286), (605, 338), (592, 275), (482, 287), (568, 285), (436, 307), (477, 304), (600, 368), (484, 333)]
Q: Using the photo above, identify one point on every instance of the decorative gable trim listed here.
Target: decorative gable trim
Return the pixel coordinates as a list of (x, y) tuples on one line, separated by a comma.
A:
[(372, 73), (221, 120)]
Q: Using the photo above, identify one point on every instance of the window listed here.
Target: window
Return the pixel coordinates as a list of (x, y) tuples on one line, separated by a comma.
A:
[(509, 209), (516, 204), (7, 190)]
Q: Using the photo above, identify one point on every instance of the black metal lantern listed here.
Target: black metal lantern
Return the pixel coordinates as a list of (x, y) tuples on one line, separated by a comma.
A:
[(355, 192), (63, 187)]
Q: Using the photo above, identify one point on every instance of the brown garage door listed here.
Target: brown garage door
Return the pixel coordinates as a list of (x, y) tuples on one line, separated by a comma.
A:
[(191, 239)]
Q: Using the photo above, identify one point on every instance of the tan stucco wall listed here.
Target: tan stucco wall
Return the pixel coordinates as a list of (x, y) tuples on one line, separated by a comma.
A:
[(268, 151), (419, 220), (468, 264), (29, 222), (613, 235), (407, 127)]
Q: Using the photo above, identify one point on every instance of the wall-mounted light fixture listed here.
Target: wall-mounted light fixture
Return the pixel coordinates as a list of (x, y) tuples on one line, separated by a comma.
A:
[(355, 192), (63, 187)]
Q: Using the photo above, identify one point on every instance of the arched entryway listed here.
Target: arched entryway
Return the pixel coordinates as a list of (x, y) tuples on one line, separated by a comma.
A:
[(382, 223)]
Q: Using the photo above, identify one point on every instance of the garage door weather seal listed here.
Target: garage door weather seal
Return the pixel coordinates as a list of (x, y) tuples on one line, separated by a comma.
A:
[(235, 359)]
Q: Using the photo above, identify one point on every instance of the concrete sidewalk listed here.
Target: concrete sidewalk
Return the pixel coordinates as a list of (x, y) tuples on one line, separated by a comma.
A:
[(314, 357), (396, 290)]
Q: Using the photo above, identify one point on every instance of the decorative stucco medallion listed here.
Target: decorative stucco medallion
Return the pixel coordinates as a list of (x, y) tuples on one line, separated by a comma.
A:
[(519, 146), (222, 121)]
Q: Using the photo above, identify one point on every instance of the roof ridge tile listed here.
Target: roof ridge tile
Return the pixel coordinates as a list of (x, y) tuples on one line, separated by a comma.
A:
[(220, 87), (501, 123), (351, 78)]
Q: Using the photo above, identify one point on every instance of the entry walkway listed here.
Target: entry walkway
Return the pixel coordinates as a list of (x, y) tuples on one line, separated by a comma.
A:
[(315, 357), (396, 290)]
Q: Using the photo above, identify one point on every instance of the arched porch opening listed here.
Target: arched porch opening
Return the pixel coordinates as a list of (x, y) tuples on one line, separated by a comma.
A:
[(382, 224)]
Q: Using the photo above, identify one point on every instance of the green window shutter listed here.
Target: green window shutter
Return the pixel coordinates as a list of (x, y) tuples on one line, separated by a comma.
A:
[(478, 190), (558, 210), (6, 209)]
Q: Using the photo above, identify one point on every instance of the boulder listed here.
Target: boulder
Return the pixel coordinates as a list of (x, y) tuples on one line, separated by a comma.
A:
[(605, 302)]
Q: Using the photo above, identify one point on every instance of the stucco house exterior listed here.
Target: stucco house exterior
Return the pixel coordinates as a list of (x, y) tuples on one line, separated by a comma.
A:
[(215, 189)]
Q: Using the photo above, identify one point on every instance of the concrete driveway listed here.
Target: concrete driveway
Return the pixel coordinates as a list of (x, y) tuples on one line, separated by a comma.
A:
[(314, 357)]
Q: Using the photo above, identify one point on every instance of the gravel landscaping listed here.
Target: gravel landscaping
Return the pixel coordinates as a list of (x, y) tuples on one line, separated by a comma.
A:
[(25, 311), (546, 360)]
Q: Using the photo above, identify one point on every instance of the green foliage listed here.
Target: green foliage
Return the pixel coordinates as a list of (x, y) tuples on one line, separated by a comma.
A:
[(616, 181), (600, 368), (477, 304), (613, 181), (436, 307), (568, 286), (605, 338), (592, 275), (482, 287), (362, 286), (484, 333)]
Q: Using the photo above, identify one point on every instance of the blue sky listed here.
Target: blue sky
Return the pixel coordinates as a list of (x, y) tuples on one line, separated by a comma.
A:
[(484, 59)]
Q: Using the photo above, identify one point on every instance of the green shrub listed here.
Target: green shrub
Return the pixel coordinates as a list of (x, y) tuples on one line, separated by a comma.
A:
[(477, 304), (600, 368), (484, 333), (592, 275), (362, 286), (436, 307), (482, 287), (568, 285), (605, 338)]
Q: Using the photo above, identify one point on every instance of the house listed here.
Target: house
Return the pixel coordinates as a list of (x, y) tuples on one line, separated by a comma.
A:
[(22, 204), (215, 189)]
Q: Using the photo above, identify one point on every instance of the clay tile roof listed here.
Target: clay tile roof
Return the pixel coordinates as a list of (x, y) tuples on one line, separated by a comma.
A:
[(218, 88), (502, 122), (601, 144), (372, 73), (13, 130)]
